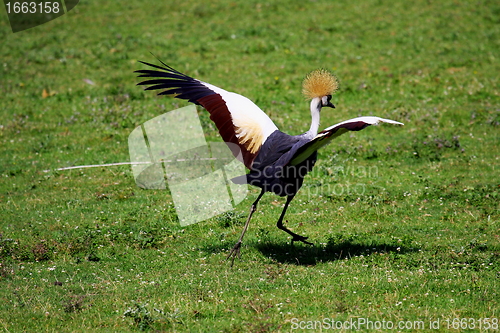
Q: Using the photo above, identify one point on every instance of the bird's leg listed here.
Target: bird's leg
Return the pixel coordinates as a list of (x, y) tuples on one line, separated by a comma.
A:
[(296, 238), (235, 252)]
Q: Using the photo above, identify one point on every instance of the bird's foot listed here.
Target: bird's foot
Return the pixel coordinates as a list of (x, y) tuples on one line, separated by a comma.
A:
[(235, 252), (299, 238)]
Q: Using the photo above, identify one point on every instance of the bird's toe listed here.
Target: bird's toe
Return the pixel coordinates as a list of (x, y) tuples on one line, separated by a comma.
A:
[(235, 252), (298, 238)]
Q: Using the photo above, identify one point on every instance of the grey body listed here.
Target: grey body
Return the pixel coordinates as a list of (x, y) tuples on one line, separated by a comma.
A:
[(271, 169)]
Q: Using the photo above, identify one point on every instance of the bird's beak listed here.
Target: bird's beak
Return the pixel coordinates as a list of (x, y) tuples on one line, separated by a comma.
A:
[(330, 105)]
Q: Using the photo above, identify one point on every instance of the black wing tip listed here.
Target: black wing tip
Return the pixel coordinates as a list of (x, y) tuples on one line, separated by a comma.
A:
[(164, 71), (172, 82), (165, 67)]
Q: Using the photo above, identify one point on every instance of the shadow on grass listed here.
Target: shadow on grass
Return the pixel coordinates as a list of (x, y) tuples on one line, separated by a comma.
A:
[(301, 254), (337, 248)]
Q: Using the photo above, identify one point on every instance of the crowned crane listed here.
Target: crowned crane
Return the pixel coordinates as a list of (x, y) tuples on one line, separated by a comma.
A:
[(278, 162)]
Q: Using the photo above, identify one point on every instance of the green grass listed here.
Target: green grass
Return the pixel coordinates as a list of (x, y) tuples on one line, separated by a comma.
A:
[(405, 220)]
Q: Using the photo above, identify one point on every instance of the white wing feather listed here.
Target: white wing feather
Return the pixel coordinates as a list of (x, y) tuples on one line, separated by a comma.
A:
[(328, 134)]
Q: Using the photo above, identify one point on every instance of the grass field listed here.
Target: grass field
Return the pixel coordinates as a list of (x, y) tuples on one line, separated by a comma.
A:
[(405, 220)]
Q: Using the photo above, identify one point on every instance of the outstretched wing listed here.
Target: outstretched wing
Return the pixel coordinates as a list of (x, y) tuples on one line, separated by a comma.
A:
[(328, 134), (237, 118)]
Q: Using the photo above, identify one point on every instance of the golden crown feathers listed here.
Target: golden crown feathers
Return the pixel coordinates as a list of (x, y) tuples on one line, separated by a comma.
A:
[(319, 83)]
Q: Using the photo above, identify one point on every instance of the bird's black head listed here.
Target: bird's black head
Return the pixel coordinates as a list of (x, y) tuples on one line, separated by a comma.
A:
[(325, 101)]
